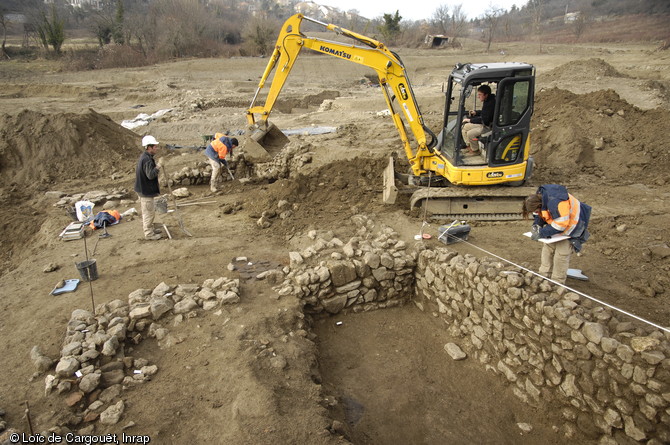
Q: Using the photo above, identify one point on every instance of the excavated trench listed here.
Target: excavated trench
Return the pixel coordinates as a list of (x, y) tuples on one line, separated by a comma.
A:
[(394, 383), (541, 365)]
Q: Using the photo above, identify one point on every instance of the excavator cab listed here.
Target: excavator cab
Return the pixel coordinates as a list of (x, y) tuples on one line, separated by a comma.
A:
[(504, 142)]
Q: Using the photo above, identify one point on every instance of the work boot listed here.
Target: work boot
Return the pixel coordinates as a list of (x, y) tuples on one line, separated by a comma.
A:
[(154, 237)]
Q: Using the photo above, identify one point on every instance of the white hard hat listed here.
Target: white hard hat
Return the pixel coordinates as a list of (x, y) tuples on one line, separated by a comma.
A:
[(149, 140)]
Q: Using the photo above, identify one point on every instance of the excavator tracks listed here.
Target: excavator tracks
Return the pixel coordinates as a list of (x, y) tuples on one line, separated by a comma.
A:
[(500, 203)]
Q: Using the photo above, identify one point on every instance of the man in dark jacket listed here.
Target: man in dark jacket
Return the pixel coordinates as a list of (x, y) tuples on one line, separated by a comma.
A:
[(146, 186), (480, 120)]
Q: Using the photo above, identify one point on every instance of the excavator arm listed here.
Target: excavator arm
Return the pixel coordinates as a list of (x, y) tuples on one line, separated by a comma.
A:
[(389, 68)]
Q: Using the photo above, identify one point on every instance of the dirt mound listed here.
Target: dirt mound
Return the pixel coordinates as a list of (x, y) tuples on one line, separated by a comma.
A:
[(588, 68), (332, 193), (37, 149), (598, 133)]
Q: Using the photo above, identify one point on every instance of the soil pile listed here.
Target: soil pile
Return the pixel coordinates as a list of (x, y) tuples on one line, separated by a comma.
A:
[(599, 133), (331, 193), (38, 149), (580, 69)]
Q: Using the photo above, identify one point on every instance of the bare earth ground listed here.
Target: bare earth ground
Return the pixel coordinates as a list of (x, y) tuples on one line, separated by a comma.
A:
[(601, 118)]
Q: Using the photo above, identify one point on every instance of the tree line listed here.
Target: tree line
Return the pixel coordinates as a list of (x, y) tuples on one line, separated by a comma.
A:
[(143, 31)]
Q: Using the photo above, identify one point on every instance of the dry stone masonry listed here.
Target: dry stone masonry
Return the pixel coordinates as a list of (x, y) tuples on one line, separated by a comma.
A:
[(611, 375), (373, 270), (94, 368)]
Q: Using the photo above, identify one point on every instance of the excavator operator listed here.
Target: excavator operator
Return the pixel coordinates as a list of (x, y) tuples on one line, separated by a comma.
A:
[(475, 125)]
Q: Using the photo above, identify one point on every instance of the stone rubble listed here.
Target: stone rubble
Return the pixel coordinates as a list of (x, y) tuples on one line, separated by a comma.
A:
[(94, 365)]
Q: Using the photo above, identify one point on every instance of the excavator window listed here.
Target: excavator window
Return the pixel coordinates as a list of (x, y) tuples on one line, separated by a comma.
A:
[(514, 101)]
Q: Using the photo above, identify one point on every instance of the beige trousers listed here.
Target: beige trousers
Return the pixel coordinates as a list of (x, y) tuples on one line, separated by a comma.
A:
[(148, 207), (216, 175), (470, 133), (556, 259)]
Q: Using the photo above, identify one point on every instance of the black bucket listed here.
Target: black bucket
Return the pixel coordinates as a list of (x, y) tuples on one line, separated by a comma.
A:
[(88, 270)]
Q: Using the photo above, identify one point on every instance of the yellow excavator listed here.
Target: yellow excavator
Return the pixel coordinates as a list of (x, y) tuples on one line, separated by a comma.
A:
[(438, 160)]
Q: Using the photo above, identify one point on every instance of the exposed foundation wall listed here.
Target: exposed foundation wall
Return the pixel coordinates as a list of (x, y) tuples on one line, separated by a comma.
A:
[(611, 375), (374, 269)]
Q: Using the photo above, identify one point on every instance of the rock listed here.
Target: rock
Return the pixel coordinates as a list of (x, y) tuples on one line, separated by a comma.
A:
[(74, 398), (185, 305), (67, 366), (110, 346), (181, 192), (112, 415), (295, 258), (594, 332), (228, 297), (54, 194), (142, 310), (109, 394), (342, 272), (454, 351), (525, 427), (89, 382), (42, 362), (335, 304), (149, 370), (160, 306), (660, 252), (640, 344), (278, 362), (110, 378), (50, 267), (160, 290)]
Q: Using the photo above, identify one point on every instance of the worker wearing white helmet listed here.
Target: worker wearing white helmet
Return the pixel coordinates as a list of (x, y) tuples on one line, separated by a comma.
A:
[(146, 186)]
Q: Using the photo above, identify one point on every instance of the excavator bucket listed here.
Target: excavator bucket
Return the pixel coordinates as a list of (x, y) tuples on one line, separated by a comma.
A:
[(390, 192), (263, 142)]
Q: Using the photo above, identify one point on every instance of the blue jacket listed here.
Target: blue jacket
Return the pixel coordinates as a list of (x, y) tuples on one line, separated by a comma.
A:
[(552, 196), (212, 154)]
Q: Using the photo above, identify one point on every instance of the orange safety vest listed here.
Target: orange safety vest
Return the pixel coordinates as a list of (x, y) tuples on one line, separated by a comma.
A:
[(569, 215), (220, 148), (114, 213)]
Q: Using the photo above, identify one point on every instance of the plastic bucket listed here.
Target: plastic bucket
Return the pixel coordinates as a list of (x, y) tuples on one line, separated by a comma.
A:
[(161, 204), (88, 270)]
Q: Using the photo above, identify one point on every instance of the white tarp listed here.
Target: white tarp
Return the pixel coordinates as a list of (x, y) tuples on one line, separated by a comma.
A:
[(143, 119)]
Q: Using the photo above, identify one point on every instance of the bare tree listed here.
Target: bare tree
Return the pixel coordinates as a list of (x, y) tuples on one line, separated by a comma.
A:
[(441, 19), (579, 25), (451, 21), (537, 8), (261, 34), (459, 22), (491, 19), (4, 22)]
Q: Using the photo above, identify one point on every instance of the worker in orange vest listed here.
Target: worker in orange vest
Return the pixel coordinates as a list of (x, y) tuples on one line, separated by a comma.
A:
[(557, 212), (216, 152)]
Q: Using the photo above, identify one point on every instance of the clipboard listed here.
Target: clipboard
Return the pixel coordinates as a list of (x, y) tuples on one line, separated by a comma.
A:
[(553, 239)]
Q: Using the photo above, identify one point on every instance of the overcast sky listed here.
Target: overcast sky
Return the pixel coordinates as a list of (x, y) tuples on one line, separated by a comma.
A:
[(418, 9)]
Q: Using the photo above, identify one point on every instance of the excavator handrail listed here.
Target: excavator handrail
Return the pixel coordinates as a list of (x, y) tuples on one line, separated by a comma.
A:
[(387, 64)]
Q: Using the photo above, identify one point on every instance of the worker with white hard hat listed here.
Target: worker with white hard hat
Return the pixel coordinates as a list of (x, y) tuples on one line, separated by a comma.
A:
[(146, 186)]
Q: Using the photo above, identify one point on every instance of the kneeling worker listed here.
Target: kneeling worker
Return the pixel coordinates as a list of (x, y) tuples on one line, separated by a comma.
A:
[(216, 153), (557, 213)]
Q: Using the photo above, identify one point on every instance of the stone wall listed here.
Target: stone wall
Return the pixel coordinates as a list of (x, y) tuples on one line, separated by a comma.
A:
[(611, 374), (373, 270)]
